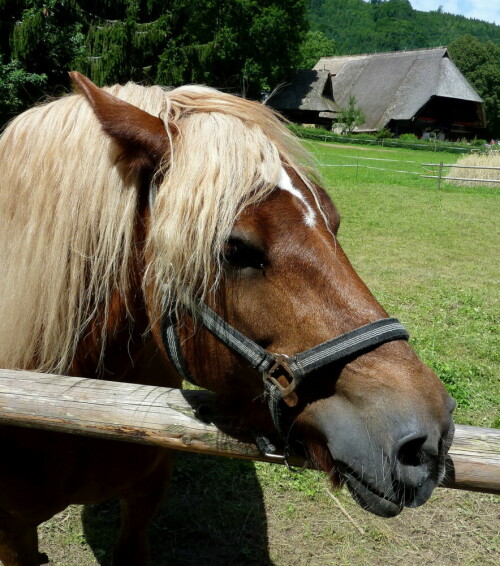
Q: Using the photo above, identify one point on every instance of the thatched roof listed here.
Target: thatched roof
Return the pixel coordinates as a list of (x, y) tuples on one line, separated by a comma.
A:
[(395, 86), (309, 90)]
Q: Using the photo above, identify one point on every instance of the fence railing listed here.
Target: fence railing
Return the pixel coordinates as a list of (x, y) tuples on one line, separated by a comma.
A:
[(441, 166), (189, 421), (438, 170)]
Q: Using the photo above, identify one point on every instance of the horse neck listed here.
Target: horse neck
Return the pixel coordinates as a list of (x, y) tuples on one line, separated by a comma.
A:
[(125, 324)]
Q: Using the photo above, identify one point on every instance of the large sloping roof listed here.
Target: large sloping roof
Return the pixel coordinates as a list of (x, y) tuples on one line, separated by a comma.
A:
[(305, 92), (395, 85)]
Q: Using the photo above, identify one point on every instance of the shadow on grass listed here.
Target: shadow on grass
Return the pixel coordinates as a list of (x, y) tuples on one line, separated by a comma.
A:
[(214, 514)]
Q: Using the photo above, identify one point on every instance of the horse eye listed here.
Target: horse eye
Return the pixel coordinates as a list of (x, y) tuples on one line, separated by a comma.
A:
[(240, 254)]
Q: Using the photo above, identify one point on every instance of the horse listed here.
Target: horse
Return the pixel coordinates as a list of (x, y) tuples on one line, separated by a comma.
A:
[(150, 235)]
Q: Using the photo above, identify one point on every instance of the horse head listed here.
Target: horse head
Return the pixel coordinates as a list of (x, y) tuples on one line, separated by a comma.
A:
[(237, 225)]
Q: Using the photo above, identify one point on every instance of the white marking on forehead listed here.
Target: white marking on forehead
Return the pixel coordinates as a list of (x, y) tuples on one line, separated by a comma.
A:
[(285, 183)]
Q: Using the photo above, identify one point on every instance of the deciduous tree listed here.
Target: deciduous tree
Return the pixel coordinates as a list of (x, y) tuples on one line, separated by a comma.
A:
[(480, 64), (352, 116), (315, 46)]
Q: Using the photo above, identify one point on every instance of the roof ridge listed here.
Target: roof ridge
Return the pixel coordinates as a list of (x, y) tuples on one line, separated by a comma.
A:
[(419, 50)]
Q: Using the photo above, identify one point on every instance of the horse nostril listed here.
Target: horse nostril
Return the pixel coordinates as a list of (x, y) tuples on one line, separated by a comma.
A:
[(410, 452)]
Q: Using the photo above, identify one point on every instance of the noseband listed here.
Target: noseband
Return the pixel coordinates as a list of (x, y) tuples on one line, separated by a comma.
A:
[(282, 374)]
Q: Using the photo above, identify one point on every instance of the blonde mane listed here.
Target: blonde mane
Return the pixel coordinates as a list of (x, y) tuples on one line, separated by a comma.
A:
[(68, 215)]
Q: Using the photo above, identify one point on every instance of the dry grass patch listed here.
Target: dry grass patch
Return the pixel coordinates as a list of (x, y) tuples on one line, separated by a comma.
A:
[(488, 165)]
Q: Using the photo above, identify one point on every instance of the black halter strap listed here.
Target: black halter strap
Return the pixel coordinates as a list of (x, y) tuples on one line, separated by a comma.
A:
[(296, 367)]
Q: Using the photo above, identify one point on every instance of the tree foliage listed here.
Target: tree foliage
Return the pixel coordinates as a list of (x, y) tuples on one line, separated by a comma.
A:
[(315, 46), (352, 116), (243, 46), (357, 26), (239, 45), (480, 64), (13, 82)]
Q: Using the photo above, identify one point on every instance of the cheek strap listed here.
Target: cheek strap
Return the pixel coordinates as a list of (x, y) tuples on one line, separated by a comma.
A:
[(281, 374), (271, 365)]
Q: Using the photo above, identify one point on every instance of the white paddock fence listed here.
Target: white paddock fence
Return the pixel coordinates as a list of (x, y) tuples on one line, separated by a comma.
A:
[(438, 171)]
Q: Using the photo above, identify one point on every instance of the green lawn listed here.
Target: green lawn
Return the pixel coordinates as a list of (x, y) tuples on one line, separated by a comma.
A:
[(431, 257)]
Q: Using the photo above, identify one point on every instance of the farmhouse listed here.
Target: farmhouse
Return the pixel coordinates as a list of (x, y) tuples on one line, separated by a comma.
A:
[(406, 91), (307, 99)]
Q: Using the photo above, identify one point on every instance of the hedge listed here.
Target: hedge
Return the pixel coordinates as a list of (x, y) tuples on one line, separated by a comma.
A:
[(320, 134)]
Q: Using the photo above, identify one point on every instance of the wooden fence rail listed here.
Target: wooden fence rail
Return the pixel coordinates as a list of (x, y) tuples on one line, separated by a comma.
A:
[(440, 177), (188, 420)]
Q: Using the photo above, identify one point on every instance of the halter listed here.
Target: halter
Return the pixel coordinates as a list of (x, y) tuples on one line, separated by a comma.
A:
[(282, 374)]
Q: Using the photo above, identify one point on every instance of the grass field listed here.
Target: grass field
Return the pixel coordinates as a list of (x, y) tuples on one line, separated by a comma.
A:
[(431, 257)]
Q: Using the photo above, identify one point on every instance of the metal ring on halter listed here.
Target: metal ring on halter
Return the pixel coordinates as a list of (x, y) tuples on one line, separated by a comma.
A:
[(281, 363), (291, 468)]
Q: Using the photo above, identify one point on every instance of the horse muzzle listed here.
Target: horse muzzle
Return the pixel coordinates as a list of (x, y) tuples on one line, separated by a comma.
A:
[(388, 460)]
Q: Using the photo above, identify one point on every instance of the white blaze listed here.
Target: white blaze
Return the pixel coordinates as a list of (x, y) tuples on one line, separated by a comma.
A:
[(285, 183)]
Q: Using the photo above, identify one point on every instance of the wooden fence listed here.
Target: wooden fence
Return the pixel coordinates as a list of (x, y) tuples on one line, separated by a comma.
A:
[(189, 421), (433, 170), (437, 173)]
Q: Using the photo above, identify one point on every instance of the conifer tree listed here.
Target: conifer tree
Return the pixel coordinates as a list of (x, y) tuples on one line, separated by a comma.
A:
[(239, 45)]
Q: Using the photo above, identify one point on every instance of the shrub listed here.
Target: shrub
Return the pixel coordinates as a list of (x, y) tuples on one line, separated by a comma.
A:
[(321, 134), (366, 137), (384, 134), (408, 137), (351, 116)]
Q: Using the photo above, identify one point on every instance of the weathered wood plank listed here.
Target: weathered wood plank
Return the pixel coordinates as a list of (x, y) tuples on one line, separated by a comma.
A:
[(187, 420), (135, 413), (474, 462)]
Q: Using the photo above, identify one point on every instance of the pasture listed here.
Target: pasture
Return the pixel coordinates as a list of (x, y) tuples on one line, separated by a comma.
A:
[(431, 258)]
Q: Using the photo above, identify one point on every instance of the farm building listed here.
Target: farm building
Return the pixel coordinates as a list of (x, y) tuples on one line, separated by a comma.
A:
[(406, 91), (307, 99)]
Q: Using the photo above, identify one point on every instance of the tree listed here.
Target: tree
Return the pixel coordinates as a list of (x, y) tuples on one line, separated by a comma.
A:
[(239, 45), (352, 116), (39, 39), (47, 38), (315, 46), (480, 64), (358, 26), (14, 81)]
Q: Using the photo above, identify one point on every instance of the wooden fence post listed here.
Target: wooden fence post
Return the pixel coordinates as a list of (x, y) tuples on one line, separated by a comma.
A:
[(440, 174)]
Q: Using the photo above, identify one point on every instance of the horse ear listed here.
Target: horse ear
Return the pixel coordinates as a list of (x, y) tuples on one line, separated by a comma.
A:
[(141, 136)]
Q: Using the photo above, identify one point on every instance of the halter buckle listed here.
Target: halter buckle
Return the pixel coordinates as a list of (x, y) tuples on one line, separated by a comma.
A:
[(281, 368)]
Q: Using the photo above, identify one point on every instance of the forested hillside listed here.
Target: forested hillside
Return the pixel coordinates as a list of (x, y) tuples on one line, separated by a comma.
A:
[(357, 26)]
